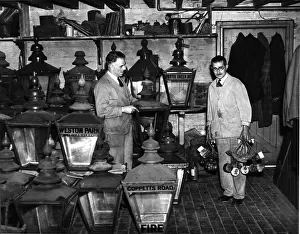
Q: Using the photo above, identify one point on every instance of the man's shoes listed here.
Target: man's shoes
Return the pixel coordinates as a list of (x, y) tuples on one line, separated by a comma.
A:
[(224, 198), (236, 201)]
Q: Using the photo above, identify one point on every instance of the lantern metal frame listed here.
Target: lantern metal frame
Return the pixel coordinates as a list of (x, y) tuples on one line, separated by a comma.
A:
[(150, 188), (49, 205), (100, 197), (179, 78), (46, 72)]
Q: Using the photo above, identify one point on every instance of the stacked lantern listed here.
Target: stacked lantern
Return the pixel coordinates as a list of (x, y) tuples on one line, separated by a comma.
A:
[(150, 189)]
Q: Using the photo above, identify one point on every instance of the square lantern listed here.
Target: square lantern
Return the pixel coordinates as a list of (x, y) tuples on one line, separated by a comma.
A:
[(174, 157), (179, 79), (73, 75), (148, 61), (150, 188), (100, 197), (29, 130), (6, 77), (150, 111), (46, 72), (79, 132), (48, 206)]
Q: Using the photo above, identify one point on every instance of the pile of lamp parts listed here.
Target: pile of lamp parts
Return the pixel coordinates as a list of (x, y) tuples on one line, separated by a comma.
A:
[(244, 159), (209, 157)]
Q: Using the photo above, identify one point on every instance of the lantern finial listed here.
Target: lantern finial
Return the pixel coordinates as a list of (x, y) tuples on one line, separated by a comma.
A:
[(7, 156)]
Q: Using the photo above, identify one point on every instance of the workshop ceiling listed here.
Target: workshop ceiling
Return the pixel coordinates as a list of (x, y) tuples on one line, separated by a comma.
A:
[(116, 4)]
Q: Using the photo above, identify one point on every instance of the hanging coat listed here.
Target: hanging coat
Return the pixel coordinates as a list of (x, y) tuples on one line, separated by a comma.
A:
[(277, 71), (291, 92)]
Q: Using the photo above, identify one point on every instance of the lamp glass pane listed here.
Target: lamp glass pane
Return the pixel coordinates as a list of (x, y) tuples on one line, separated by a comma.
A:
[(29, 143), (41, 219), (151, 207), (79, 150), (102, 206), (178, 91)]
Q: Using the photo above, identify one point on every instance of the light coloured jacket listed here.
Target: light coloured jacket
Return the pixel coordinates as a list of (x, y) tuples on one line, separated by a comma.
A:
[(228, 108), (109, 100)]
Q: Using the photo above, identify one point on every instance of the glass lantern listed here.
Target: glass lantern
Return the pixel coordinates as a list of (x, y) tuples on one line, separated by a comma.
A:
[(46, 72), (29, 130), (179, 79), (100, 197), (48, 206), (150, 112), (150, 189), (15, 183), (79, 131), (150, 62), (73, 75)]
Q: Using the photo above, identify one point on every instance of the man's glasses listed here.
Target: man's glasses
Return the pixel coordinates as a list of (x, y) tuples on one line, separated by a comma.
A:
[(218, 69)]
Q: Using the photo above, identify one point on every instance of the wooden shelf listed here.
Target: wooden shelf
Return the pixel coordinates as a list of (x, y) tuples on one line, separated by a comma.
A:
[(214, 35)]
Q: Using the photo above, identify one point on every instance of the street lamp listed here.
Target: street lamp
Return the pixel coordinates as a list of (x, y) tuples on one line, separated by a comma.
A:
[(174, 158), (150, 188), (72, 76), (100, 197), (29, 130), (38, 66), (48, 206), (15, 183), (79, 132), (147, 61), (179, 79), (151, 111)]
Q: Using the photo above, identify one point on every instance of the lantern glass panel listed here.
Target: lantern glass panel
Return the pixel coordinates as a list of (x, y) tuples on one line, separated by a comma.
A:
[(29, 143), (151, 207), (79, 150), (102, 206), (179, 85), (42, 219)]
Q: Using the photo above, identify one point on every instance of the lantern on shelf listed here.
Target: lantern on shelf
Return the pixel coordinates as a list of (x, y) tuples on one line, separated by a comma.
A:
[(6, 79), (80, 70), (179, 79), (150, 62), (150, 112), (150, 188), (29, 130), (79, 132), (48, 206), (100, 197), (46, 72)]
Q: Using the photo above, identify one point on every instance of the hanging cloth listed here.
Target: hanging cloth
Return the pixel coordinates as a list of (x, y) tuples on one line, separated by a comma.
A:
[(291, 91), (277, 71)]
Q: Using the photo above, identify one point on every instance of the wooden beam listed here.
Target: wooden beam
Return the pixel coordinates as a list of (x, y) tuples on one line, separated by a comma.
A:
[(72, 4), (9, 4), (94, 3), (150, 3), (43, 4)]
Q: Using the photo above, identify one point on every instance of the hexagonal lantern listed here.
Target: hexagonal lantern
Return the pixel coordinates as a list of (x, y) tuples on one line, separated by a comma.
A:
[(48, 206), (29, 130), (150, 189), (79, 131), (179, 79), (38, 66), (80, 70)]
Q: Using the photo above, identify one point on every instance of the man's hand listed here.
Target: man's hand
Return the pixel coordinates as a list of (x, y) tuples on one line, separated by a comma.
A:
[(129, 109), (245, 133)]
